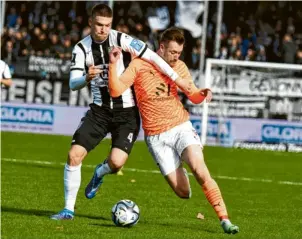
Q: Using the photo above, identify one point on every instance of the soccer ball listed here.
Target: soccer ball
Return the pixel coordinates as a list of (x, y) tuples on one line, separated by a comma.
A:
[(125, 213)]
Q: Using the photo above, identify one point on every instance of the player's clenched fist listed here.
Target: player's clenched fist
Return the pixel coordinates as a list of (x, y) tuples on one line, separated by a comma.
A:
[(114, 54), (207, 93), (93, 71)]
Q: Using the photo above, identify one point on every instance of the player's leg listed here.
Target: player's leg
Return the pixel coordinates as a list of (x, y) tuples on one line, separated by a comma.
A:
[(72, 181), (168, 161), (124, 131), (193, 156), (179, 182), (190, 149), (86, 137)]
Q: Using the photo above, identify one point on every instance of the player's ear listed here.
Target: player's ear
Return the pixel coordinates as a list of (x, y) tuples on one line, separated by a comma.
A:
[(90, 21), (161, 47)]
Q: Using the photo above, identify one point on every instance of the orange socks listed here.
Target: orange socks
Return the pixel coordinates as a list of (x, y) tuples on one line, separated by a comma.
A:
[(213, 194)]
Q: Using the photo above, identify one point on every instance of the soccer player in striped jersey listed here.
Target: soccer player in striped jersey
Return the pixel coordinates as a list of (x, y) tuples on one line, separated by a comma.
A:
[(169, 134), (5, 75), (116, 115)]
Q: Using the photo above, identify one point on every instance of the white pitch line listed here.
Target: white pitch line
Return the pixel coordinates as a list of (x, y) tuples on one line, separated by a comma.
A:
[(152, 171)]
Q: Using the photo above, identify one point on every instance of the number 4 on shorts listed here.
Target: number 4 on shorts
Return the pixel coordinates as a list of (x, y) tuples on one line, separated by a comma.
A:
[(130, 137)]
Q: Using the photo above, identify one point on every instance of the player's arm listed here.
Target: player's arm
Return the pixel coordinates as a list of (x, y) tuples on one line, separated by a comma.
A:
[(7, 77), (79, 78), (138, 48), (195, 95), (6, 82), (117, 85)]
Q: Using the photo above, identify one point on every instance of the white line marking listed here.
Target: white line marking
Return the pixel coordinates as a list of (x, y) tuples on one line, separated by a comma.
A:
[(151, 171)]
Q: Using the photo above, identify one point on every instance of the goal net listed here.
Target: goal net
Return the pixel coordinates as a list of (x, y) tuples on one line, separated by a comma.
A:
[(252, 102)]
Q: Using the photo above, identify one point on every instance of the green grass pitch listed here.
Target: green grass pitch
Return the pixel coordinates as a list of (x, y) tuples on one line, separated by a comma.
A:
[(262, 191)]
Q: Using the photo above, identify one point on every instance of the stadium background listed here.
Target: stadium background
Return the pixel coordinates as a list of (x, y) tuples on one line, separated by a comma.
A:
[(38, 38), (262, 189)]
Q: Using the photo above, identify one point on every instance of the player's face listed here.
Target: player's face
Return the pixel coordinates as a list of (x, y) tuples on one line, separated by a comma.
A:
[(100, 27), (171, 52)]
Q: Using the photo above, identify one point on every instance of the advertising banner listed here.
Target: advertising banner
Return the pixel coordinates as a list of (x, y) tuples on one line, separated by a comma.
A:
[(261, 134), (45, 119), (276, 135), (244, 93), (32, 91)]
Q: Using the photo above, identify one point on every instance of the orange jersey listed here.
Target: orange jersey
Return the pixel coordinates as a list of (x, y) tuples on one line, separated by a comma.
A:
[(156, 94)]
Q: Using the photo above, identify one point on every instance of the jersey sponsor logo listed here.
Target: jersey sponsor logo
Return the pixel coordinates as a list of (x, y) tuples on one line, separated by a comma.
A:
[(162, 88), (136, 44), (162, 93), (27, 115), (102, 79), (281, 133)]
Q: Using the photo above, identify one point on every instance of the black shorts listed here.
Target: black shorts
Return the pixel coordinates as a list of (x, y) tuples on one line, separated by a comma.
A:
[(123, 124)]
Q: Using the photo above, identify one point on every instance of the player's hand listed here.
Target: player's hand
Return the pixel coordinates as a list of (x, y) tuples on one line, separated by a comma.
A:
[(207, 93), (184, 84), (93, 71), (114, 54)]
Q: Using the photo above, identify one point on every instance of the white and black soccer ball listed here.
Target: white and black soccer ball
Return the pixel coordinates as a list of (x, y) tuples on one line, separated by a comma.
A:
[(125, 213)]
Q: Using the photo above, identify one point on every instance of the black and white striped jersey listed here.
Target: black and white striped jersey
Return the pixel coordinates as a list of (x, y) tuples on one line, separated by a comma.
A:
[(4, 71), (88, 52)]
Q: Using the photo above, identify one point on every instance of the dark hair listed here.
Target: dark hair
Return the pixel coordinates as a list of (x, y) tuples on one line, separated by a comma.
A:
[(101, 10), (173, 34)]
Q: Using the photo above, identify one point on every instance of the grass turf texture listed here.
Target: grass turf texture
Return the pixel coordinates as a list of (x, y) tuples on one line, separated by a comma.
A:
[(31, 192)]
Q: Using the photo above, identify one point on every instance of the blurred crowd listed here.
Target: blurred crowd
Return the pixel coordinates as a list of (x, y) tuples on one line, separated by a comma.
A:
[(250, 31)]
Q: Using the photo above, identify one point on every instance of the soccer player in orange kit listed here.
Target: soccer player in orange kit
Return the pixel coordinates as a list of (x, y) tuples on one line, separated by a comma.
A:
[(169, 134)]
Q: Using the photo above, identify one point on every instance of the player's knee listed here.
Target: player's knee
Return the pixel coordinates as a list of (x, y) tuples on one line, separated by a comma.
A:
[(75, 157), (116, 165), (184, 193), (117, 159)]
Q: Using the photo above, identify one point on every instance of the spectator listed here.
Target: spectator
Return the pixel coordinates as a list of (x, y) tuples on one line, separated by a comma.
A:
[(258, 26), (75, 38), (12, 18), (44, 27), (196, 54), (223, 53), (233, 44), (290, 26), (67, 48), (80, 23), (19, 24), (26, 48), (55, 48), (24, 14), (299, 56), (61, 30), (42, 46), (35, 36), (85, 32), (261, 55), (289, 49), (18, 39), (251, 54), (8, 54), (237, 55)]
